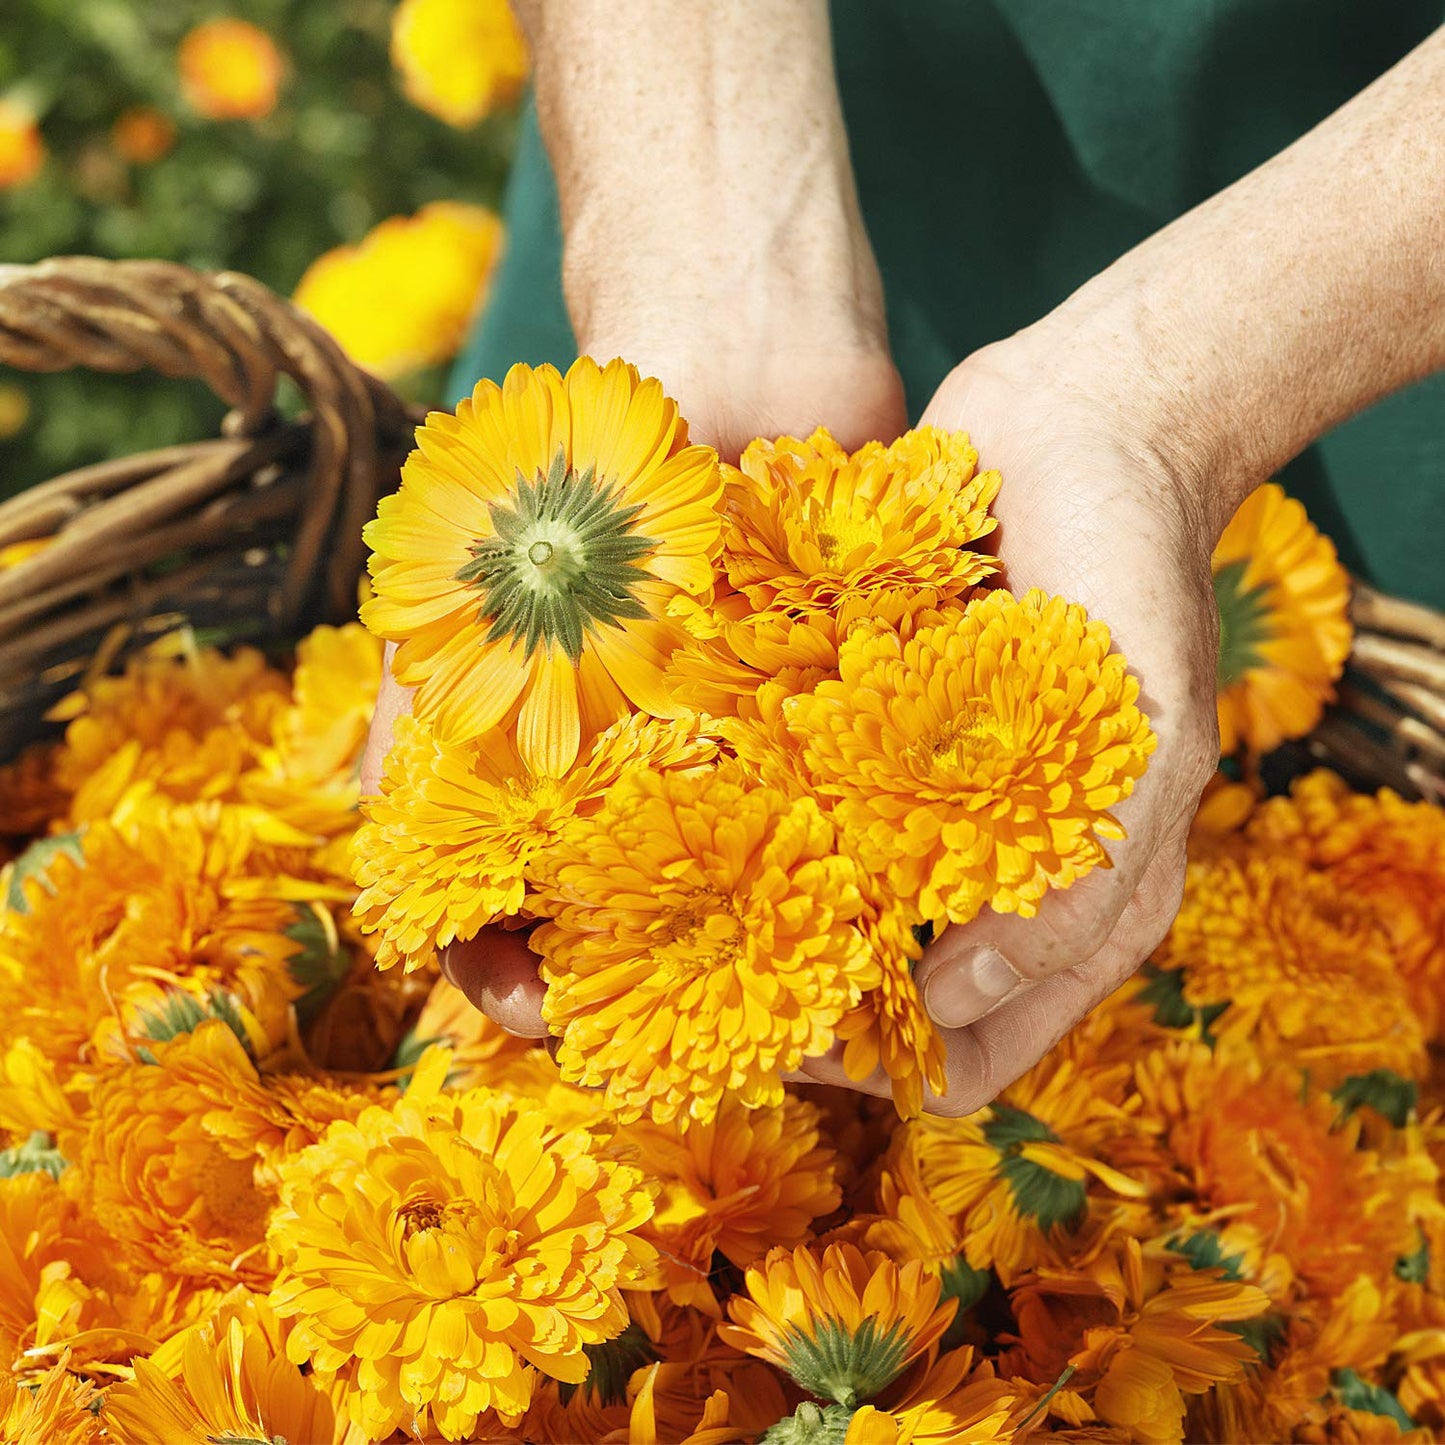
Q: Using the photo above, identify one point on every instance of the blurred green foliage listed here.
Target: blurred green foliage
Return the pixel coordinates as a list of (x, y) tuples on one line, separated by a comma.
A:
[(343, 150)]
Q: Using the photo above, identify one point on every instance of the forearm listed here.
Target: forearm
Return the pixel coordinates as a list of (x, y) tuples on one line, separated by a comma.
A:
[(701, 163), (1304, 292)]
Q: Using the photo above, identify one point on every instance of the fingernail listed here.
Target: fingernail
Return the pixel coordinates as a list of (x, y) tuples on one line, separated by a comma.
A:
[(968, 987)]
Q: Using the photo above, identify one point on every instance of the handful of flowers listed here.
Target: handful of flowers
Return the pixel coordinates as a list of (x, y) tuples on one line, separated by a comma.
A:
[(737, 739)]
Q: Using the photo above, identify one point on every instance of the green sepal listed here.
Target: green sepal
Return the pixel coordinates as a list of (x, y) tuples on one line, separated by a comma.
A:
[(1415, 1268), (1044, 1196), (37, 1155), (182, 1013), (842, 1365), (810, 1424), (1243, 623), (34, 862), (1385, 1091), (320, 963), (1204, 1249), (1357, 1394), (614, 1362), (1164, 993)]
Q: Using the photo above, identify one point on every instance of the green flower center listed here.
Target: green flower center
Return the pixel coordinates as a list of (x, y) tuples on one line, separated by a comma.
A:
[(842, 1365), (563, 560), (1244, 622)]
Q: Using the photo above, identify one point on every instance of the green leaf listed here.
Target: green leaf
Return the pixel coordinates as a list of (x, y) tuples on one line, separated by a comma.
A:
[(320, 962), (1385, 1091), (36, 1155), (1357, 1394), (34, 862)]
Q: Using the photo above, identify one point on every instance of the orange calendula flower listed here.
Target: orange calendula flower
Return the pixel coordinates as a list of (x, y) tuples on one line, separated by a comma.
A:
[(22, 152), (402, 298), (1384, 853), (1284, 628), (142, 135), (450, 841), (442, 1251), (701, 943), (59, 1410), (230, 70), (976, 763), (1294, 964), (844, 1326), (229, 1379), (528, 560), (735, 1186), (459, 60)]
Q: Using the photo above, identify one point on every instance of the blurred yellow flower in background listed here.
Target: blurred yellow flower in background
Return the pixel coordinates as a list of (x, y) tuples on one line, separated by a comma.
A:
[(142, 134), (230, 70), (1284, 627), (22, 152), (459, 59), (401, 298), (14, 413)]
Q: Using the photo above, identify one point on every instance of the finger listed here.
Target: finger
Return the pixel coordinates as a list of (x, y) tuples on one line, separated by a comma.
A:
[(392, 701), (990, 1054), (498, 973)]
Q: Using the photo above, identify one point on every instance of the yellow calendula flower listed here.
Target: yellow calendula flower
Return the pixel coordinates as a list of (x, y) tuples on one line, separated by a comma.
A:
[(701, 943), (1383, 852), (1284, 628), (22, 152), (975, 764), (1294, 964), (443, 1251), (401, 299), (844, 1325), (451, 838), (528, 560), (227, 1379), (944, 1401), (230, 70), (58, 1410), (735, 1186), (459, 59), (180, 1203)]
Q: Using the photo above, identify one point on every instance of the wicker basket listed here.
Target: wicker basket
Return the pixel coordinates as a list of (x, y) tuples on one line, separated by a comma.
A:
[(255, 534)]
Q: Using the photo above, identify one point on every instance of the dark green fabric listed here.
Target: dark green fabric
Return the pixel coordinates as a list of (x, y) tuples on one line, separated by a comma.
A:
[(1006, 150)]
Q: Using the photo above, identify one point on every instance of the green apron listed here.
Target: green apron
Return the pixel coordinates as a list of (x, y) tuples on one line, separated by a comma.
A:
[(1006, 150)]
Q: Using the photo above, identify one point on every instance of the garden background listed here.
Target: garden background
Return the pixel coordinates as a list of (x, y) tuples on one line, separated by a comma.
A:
[(258, 147)]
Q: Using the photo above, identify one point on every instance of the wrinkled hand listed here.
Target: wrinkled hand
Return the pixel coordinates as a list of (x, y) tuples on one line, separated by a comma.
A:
[(729, 394), (1095, 508)]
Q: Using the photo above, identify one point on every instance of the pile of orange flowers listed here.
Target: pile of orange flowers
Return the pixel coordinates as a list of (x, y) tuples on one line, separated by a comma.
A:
[(254, 1188)]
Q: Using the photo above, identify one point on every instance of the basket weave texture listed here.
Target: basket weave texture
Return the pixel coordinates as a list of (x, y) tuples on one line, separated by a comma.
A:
[(255, 533)]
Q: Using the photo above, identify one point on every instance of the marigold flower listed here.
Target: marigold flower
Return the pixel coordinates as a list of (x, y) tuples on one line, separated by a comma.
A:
[(1384, 853), (142, 135), (1293, 963), (976, 763), (735, 1186), (701, 943), (152, 1171), (452, 837), (459, 60), (443, 1250), (22, 152), (402, 298), (844, 1327), (527, 562), (59, 1410), (230, 70), (1284, 629), (231, 1381)]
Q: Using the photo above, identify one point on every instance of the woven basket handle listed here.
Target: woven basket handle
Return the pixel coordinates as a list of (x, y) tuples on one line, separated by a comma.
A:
[(229, 331)]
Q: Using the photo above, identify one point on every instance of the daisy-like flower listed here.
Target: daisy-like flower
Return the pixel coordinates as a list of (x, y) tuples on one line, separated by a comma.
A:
[(845, 1325), (1284, 628), (734, 1186), (231, 1381), (811, 527), (1293, 963), (1141, 1331), (943, 1400), (181, 1204), (1017, 1172), (459, 60), (976, 763), (1381, 851), (701, 943), (449, 841), (442, 1251), (59, 1410), (529, 558)]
